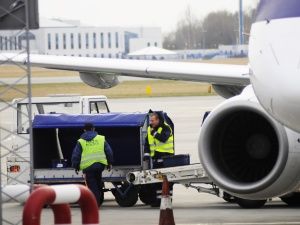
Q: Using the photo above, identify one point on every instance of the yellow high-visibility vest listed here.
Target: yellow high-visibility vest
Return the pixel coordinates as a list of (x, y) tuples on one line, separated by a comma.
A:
[(92, 151), (156, 145)]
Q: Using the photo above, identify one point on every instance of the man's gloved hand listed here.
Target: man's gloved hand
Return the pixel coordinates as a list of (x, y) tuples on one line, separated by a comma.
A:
[(109, 167), (146, 158), (153, 132)]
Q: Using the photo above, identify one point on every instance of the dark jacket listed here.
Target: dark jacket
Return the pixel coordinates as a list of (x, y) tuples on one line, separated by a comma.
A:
[(76, 156), (162, 137)]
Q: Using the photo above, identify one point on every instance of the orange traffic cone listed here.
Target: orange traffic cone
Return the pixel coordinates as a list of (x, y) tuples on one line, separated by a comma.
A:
[(166, 212)]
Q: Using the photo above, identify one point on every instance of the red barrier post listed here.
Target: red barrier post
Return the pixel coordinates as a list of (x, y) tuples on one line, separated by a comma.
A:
[(36, 201), (88, 206), (57, 196)]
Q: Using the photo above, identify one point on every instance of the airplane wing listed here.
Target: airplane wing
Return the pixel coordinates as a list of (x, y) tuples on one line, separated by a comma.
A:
[(184, 71), (227, 80)]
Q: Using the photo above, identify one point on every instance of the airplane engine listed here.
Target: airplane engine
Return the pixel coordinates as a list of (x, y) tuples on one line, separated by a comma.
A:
[(227, 91), (100, 80), (247, 153)]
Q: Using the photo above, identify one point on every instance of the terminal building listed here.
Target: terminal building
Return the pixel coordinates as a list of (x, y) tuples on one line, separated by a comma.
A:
[(70, 38)]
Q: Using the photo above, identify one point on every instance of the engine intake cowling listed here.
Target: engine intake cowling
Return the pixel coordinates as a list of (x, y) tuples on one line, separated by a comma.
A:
[(100, 80), (228, 91), (246, 152)]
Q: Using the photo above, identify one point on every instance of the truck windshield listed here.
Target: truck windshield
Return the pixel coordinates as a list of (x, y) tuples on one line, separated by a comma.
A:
[(42, 108), (98, 107)]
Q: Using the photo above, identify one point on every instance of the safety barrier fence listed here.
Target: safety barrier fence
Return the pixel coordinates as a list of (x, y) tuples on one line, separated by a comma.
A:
[(58, 198)]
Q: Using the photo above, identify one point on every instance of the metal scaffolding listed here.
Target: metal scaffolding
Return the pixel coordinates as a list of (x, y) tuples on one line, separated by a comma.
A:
[(19, 17)]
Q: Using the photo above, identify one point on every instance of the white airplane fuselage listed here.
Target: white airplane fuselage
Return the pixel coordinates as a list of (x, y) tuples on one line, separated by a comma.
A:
[(250, 144), (274, 60)]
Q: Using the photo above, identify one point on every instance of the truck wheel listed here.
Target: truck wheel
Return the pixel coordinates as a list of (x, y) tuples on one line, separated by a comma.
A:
[(127, 200), (249, 204), (147, 193)]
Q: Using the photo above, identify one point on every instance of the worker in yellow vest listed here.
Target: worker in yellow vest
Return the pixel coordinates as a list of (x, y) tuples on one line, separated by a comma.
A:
[(159, 142), (92, 154)]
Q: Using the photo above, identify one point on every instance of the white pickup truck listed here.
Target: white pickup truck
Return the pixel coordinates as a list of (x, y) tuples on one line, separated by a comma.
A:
[(18, 161)]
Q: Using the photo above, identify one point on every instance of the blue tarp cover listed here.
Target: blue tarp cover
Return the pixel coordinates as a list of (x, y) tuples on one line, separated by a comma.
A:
[(98, 120)]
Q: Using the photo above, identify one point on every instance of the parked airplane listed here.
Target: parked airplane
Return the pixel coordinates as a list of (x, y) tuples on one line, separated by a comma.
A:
[(250, 144)]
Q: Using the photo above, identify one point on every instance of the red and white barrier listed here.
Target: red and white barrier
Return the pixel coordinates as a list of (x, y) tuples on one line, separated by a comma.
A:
[(58, 197), (18, 193)]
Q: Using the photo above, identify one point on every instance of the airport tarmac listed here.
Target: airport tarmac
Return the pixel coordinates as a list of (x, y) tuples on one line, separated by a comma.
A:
[(189, 206)]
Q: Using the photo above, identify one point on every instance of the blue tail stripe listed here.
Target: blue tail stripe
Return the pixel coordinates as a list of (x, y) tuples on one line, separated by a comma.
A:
[(277, 9)]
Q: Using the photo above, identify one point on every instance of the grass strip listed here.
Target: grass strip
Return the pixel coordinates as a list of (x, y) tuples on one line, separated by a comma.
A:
[(128, 89)]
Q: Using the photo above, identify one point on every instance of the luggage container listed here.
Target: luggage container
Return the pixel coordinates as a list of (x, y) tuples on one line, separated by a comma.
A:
[(56, 135), (176, 160)]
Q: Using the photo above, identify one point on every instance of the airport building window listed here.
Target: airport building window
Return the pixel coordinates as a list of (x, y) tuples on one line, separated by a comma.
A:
[(10, 45), (87, 41), (148, 44), (1, 43), (5, 43), (49, 41), (109, 40), (102, 55), (155, 44), (102, 40), (64, 41), (117, 39), (95, 55), (94, 40), (72, 41), (16, 43), (109, 55), (56, 41), (79, 40)]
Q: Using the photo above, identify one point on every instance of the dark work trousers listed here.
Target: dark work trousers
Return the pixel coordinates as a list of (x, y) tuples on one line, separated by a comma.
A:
[(93, 177), (158, 163)]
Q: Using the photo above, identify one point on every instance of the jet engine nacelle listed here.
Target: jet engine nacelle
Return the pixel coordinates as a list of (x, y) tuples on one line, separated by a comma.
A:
[(248, 153), (228, 91), (100, 80)]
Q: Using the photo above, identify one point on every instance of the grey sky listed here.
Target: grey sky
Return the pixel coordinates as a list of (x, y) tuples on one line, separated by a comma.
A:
[(162, 13)]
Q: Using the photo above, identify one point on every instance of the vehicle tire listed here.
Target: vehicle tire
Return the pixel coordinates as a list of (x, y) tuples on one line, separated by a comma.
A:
[(292, 200), (147, 194), (249, 204), (228, 197), (127, 200)]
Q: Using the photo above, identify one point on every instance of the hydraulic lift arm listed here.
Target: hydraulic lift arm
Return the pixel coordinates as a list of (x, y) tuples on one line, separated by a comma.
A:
[(185, 175)]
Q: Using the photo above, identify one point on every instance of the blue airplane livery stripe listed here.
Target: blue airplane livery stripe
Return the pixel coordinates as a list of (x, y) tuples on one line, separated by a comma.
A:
[(277, 9)]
